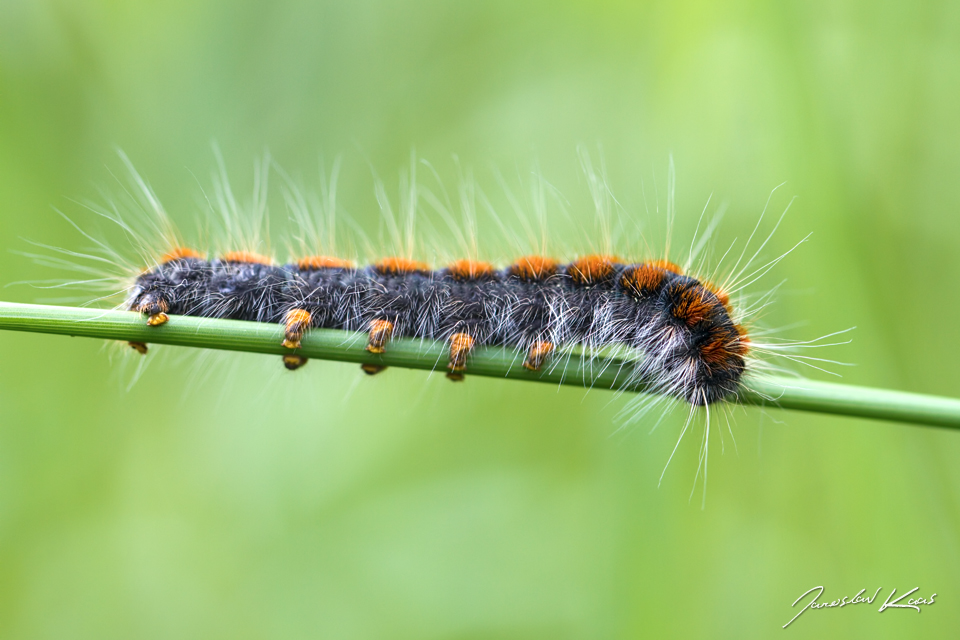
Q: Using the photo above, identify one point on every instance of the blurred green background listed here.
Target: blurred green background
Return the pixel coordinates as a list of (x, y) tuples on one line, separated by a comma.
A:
[(221, 498)]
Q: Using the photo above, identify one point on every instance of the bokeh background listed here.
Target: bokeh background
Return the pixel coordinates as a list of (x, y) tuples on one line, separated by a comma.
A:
[(219, 497)]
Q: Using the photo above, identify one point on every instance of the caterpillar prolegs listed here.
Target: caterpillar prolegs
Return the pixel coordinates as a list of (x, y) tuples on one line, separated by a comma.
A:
[(691, 347)]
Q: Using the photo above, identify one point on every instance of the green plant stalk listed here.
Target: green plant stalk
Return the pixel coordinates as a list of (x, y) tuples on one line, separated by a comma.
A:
[(602, 372)]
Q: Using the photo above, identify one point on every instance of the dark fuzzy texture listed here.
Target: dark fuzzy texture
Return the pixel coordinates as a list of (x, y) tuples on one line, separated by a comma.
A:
[(695, 355)]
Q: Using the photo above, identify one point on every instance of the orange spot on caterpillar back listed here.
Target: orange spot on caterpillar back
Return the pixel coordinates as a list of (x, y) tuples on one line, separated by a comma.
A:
[(592, 269), (533, 268), (692, 306), (643, 279), (178, 253), (396, 266), (246, 257), (470, 270), (324, 262)]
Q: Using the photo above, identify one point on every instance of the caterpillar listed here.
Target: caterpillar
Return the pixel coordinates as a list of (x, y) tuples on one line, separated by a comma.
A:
[(689, 338), (691, 341), (681, 325)]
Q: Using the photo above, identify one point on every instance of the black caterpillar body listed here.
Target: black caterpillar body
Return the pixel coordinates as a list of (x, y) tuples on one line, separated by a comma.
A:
[(691, 347)]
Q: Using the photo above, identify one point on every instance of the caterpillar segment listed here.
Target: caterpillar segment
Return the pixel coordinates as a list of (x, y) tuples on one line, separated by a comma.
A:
[(154, 304)]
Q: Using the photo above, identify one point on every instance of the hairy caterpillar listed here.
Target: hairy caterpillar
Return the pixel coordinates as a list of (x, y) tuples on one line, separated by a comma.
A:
[(683, 327), (688, 333)]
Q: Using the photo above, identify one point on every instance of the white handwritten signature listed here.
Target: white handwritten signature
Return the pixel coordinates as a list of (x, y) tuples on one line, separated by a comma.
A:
[(912, 603)]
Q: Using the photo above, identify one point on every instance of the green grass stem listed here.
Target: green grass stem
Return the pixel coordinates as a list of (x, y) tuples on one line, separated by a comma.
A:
[(601, 371)]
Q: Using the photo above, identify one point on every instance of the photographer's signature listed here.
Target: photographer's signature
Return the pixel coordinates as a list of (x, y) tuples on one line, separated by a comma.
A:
[(889, 603)]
